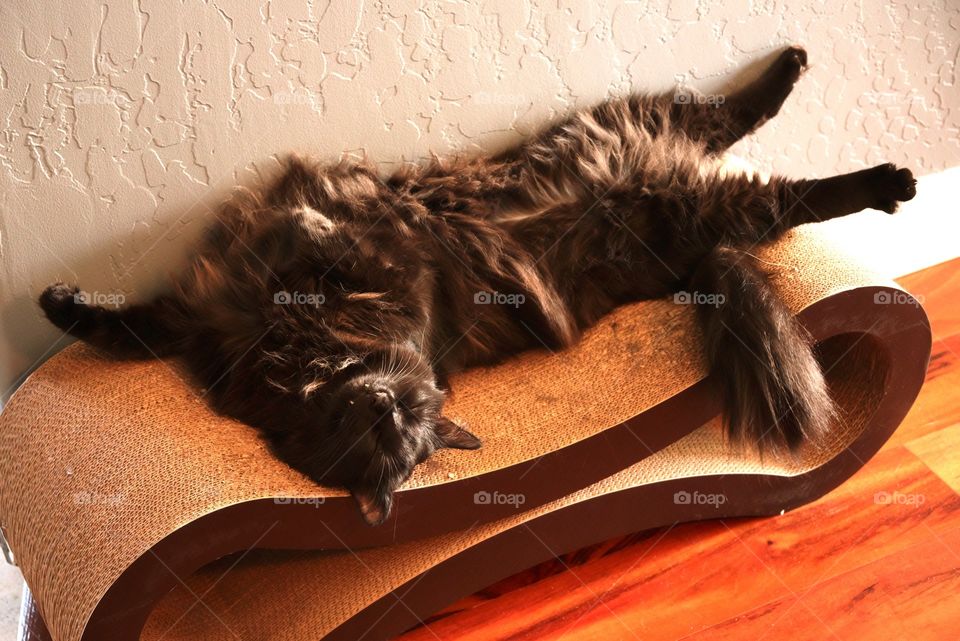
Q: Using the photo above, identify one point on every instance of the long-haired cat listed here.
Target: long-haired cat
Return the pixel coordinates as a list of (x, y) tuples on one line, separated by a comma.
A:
[(327, 309)]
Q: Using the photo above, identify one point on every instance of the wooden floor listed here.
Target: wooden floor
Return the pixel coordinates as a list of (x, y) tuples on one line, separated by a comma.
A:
[(877, 559)]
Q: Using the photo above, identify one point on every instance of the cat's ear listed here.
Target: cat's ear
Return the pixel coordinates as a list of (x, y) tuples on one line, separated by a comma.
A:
[(375, 506), (296, 178), (452, 435), (298, 168)]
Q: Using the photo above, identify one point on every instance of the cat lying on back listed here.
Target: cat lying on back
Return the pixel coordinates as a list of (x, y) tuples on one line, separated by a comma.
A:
[(327, 309)]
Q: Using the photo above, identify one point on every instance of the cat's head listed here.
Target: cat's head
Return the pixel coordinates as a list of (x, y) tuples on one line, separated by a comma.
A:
[(384, 417)]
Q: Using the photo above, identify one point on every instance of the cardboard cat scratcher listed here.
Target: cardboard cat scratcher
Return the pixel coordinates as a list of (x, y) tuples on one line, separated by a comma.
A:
[(124, 498)]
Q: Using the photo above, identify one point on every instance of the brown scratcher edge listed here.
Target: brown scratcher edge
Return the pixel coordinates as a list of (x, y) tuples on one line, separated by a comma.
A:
[(597, 439)]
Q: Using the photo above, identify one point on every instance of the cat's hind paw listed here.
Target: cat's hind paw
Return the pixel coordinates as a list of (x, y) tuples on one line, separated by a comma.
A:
[(792, 63), (768, 94)]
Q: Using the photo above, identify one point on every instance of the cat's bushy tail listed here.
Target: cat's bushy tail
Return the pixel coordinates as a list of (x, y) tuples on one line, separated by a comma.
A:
[(132, 331), (773, 390)]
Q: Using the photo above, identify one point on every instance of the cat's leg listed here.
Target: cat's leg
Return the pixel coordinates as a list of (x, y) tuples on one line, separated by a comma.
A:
[(882, 187), (720, 124), (134, 331), (747, 210)]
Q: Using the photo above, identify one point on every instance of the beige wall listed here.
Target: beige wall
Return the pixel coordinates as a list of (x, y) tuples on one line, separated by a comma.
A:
[(122, 124)]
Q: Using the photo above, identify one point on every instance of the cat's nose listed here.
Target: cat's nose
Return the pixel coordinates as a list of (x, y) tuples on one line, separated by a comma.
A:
[(382, 400)]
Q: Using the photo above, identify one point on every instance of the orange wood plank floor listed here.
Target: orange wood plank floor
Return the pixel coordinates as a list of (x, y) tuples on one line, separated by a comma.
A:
[(877, 559)]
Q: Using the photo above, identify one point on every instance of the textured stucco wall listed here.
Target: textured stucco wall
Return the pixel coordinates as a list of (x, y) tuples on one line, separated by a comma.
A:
[(122, 122)]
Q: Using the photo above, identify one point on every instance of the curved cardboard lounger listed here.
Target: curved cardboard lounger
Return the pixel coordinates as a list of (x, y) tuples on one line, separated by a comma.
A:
[(117, 484)]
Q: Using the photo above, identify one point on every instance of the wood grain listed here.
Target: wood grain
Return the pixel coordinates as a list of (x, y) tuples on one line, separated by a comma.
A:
[(938, 452), (913, 594), (938, 288), (936, 408)]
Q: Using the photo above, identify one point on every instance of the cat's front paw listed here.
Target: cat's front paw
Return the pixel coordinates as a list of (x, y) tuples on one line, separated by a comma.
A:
[(58, 301), (891, 186)]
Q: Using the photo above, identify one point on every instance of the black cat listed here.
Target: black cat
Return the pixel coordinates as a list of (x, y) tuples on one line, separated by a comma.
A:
[(326, 309)]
